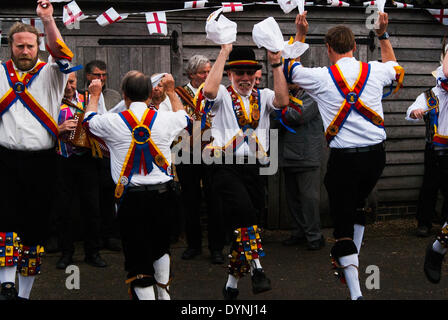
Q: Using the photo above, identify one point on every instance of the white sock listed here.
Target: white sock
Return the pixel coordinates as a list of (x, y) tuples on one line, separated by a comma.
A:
[(255, 264), (358, 235), (437, 247), (232, 282), (25, 286), (162, 275), (8, 274), (145, 293), (351, 274)]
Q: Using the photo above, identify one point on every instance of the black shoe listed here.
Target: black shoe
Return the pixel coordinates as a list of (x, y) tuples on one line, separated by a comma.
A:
[(64, 261), (112, 244), (293, 241), (433, 265), (190, 253), (230, 293), (260, 282), (217, 257), (316, 244), (8, 291), (95, 260), (423, 231)]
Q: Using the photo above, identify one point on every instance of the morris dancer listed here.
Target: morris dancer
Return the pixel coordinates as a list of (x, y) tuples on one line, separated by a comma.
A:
[(30, 95), (240, 129), (139, 141), (349, 96)]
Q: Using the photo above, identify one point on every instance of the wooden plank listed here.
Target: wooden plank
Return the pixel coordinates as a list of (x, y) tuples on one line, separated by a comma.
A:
[(424, 68), (136, 59), (402, 183), (426, 55), (416, 42), (400, 170), (397, 106), (407, 195), (405, 132), (406, 144), (113, 67), (398, 119), (404, 157), (406, 93)]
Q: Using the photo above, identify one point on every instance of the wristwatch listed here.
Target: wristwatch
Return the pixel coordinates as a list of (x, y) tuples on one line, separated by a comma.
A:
[(276, 65), (384, 36)]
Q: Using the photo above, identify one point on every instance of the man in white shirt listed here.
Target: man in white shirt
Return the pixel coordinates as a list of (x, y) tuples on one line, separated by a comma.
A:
[(240, 130), (139, 141), (30, 96), (436, 99), (349, 96)]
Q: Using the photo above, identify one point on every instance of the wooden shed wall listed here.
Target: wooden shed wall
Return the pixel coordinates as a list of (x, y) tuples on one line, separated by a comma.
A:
[(415, 35)]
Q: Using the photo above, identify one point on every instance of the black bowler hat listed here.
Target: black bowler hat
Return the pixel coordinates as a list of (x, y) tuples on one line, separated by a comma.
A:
[(242, 58)]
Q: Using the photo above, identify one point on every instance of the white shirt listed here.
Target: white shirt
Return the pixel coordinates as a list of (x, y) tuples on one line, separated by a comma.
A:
[(19, 129), (225, 124), (113, 130), (442, 95), (356, 131)]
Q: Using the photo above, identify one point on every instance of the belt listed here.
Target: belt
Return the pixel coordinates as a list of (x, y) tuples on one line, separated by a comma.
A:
[(160, 188), (375, 147)]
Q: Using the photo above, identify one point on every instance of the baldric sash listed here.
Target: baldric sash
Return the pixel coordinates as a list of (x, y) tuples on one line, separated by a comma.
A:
[(143, 152), (352, 100), (19, 91)]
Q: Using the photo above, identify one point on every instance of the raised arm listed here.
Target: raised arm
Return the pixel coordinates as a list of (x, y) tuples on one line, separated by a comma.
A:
[(168, 84), (301, 27), (44, 11), (445, 65), (387, 52), (280, 87), (214, 78)]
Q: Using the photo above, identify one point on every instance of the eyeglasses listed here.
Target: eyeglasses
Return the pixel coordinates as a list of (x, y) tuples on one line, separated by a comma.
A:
[(99, 75), (240, 73)]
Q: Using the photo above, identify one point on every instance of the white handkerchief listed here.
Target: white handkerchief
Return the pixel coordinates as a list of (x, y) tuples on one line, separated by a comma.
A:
[(301, 4), (221, 31), (287, 5), (156, 79), (294, 50), (380, 4), (267, 34)]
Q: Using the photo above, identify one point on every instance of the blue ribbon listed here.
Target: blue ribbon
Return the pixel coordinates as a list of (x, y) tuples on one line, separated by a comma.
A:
[(64, 67)]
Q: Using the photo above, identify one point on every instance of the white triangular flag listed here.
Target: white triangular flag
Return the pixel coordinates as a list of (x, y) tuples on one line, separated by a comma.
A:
[(369, 3), (380, 4), (37, 23), (72, 13), (287, 5), (109, 17), (195, 4), (337, 3), (403, 5), (156, 22), (232, 6)]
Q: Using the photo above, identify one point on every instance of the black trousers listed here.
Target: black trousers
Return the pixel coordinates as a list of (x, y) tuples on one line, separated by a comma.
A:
[(78, 187), (432, 182), (190, 178), (442, 164), (241, 191), (109, 222), (145, 226), (349, 180), (27, 191)]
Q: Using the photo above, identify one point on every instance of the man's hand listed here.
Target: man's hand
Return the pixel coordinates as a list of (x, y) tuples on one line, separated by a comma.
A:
[(168, 83), (274, 57), (417, 114), (95, 87), (44, 9), (227, 48), (382, 22), (68, 125), (301, 26)]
